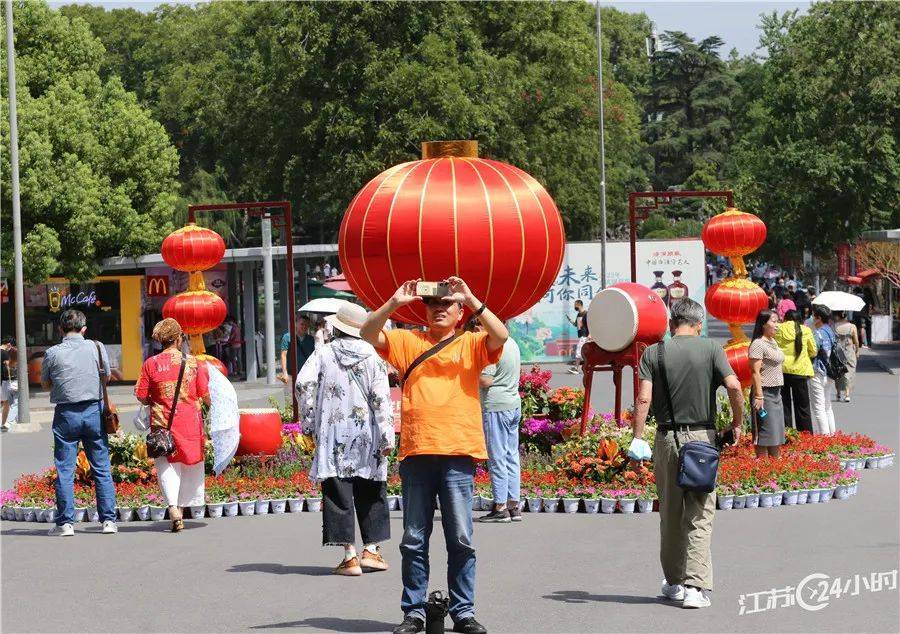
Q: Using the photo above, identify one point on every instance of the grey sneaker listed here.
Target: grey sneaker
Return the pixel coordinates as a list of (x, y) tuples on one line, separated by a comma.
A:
[(66, 530), (109, 528), (496, 517), (695, 598)]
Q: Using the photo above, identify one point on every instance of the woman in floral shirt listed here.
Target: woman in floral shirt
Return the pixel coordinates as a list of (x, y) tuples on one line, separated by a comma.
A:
[(345, 405)]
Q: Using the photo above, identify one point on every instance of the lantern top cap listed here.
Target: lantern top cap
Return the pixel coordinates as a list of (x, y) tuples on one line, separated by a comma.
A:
[(459, 148)]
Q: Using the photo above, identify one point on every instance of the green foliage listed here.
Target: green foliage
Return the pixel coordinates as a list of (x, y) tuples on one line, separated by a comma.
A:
[(97, 173)]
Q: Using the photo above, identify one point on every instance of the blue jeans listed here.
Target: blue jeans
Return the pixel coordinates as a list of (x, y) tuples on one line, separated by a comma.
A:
[(452, 479), (501, 430), (74, 422)]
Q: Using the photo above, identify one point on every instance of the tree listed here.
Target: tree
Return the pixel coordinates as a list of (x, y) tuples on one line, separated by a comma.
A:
[(884, 257), (97, 172)]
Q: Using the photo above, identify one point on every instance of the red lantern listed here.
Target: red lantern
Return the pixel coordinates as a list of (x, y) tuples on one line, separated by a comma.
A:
[(733, 233), (453, 213), (196, 312), (260, 432), (213, 361), (740, 362), (193, 248), (736, 300)]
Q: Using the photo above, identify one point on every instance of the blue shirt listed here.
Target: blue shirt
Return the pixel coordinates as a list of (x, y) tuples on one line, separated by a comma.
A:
[(306, 345), (825, 338), (71, 367)]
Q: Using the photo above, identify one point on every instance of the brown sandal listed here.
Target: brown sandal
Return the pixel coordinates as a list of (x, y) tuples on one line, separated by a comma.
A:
[(177, 518)]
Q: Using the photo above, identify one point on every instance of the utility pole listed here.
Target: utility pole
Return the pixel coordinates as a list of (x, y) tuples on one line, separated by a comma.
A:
[(602, 153), (19, 297), (269, 295)]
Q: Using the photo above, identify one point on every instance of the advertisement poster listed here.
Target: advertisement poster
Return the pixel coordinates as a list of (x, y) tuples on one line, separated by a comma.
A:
[(672, 268)]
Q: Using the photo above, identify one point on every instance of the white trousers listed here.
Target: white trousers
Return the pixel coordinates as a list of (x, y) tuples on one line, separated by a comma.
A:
[(820, 402), (181, 484)]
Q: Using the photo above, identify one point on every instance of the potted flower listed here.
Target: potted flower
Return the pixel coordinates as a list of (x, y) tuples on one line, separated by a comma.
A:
[(646, 498), (278, 493), (766, 491), (313, 499), (83, 499), (569, 498), (752, 500), (724, 496), (792, 493), (591, 498), (627, 499), (246, 501), (826, 486), (549, 500), (843, 480), (813, 494), (216, 496), (740, 496), (394, 490), (534, 500), (608, 500), (157, 507)]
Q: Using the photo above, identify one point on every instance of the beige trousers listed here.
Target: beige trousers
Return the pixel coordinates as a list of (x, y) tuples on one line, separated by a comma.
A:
[(685, 517)]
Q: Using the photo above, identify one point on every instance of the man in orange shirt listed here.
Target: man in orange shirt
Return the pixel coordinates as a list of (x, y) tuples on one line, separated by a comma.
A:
[(441, 438)]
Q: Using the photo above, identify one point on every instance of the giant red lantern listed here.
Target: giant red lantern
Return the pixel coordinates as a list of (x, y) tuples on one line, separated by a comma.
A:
[(733, 233), (453, 213), (193, 248), (735, 300), (196, 312)]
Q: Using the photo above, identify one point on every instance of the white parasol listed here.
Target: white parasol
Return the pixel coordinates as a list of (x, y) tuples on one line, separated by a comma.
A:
[(839, 300), (326, 305), (224, 420)]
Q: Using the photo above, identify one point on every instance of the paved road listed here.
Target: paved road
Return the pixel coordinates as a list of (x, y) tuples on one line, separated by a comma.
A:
[(552, 573)]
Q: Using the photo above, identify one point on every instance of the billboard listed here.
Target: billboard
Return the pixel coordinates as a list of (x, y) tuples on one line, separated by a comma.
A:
[(673, 268)]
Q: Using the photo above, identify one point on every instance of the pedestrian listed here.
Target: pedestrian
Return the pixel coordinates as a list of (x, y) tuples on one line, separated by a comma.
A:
[(848, 342), (580, 323), (501, 413), (233, 345), (181, 474), (822, 413), (75, 371), (345, 404), (5, 381), (766, 360), (799, 347), (326, 270), (694, 368), (306, 345), (785, 303), (321, 334), (441, 439), (862, 319)]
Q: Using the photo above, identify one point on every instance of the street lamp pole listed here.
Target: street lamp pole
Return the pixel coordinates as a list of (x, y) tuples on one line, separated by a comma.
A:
[(602, 153), (21, 351)]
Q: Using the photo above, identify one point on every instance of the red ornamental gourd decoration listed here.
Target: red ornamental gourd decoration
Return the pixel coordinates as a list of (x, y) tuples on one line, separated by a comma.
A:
[(735, 300), (453, 213), (194, 249)]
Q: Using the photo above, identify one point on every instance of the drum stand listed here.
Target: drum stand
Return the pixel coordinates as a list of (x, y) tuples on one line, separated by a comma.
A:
[(595, 359)]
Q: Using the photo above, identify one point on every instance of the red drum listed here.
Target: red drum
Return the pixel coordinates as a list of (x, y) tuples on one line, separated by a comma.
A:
[(625, 313), (260, 432)]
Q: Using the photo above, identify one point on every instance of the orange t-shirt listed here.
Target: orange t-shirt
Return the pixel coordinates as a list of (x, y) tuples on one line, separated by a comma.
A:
[(440, 410)]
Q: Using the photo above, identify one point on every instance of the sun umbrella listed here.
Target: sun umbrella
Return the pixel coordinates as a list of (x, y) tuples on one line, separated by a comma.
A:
[(839, 300), (338, 283), (224, 419), (326, 305)]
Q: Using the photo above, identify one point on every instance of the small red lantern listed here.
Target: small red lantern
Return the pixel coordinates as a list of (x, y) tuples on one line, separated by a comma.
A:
[(453, 213), (733, 233), (196, 312), (739, 361), (736, 300), (260, 432), (193, 248), (213, 361)]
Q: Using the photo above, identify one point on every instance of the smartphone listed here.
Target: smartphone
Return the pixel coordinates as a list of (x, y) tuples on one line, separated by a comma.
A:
[(432, 289)]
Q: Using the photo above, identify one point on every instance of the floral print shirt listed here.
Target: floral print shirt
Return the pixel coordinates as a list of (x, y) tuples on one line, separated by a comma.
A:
[(345, 404)]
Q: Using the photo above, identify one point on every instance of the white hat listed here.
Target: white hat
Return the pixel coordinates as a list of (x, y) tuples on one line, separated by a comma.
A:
[(349, 319)]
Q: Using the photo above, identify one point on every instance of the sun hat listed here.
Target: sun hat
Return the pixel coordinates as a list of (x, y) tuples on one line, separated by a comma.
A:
[(349, 319)]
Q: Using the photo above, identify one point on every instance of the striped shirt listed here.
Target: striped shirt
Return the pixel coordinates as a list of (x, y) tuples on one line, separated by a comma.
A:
[(772, 357)]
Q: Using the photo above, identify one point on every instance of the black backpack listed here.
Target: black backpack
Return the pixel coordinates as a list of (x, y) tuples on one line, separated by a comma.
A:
[(837, 362)]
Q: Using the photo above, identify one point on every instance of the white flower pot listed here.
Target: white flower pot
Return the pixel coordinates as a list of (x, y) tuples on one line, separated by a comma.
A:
[(549, 505), (30, 514), (860, 464), (814, 495), (92, 514), (230, 509), (765, 500), (591, 506), (39, 515), (198, 511), (143, 512), (314, 505), (790, 497), (126, 513), (890, 459), (826, 495), (607, 505), (4, 513), (725, 502), (278, 506), (644, 506), (842, 492), (521, 505), (740, 501), (295, 505), (570, 505), (626, 505), (50, 515), (247, 507), (871, 463), (803, 496), (534, 505), (19, 513), (884, 462), (853, 488), (157, 513), (400, 503), (215, 509), (752, 501), (778, 498), (262, 507)]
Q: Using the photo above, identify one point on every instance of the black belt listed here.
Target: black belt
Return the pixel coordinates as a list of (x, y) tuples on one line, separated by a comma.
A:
[(689, 426)]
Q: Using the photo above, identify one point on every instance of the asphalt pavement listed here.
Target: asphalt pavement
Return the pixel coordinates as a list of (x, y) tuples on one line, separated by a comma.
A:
[(551, 573)]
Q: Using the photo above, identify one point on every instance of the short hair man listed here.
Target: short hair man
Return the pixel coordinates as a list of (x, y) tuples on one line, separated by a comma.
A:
[(580, 322), (441, 438), (695, 368), (306, 345), (72, 372)]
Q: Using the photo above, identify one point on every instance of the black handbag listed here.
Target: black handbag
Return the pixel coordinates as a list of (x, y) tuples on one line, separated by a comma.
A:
[(698, 461), (160, 441)]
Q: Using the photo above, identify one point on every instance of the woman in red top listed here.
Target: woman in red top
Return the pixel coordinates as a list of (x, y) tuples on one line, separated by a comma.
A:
[(181, 475)]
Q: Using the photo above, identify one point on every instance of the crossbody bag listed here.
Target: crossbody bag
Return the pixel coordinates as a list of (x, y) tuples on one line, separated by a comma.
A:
[(109, 415), (433, 350), (698, 461), (160, 441)]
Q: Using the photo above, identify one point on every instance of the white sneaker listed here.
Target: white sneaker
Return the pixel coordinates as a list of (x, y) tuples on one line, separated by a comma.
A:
[(694, 598), (573, 370), (675, 592), (109, 527), (846, 399), (66, 530)]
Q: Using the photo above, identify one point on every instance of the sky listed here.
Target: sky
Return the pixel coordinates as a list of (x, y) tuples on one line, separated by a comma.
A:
[(735, 22)]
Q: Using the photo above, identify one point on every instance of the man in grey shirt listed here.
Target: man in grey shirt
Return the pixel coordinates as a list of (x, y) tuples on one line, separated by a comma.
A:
[(501, 412), (72, 372)]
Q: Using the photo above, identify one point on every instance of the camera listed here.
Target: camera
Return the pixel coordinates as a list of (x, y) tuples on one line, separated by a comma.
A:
[(432, 289)]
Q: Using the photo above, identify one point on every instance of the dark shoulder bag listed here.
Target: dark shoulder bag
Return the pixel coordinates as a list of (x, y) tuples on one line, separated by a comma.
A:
[(159, 440), (698, 461), (109, 415), (433, 350)]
